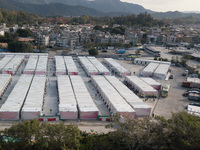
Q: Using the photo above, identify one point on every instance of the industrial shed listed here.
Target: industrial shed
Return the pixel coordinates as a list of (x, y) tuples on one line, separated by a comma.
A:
[(31, 65), (42, 65), (13, 65), (161, 71), (4, 82), (149, 70), (114, 101), (60, 65), (116, 67), (141, 108), (70, 65), (67, 101), (10, 110), (139, 61), (86, 106), (34, 100), (140, 86)]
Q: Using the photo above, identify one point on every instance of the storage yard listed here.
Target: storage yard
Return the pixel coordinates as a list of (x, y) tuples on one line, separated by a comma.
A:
[(64, 88)]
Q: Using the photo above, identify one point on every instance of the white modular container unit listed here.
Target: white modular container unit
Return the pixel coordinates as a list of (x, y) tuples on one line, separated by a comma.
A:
[(142, 87), (4, 61), (70, 65), (101, 68), (60, 65), (141, 108), (139, 61), (31, 65), (156, 85), (67, 101), (112, 98), (149, 70), (34, 101), (10, 110), (5, 79), (42, 65), (13, 65), (26, 55), (88, 66), (86, 105), (161, 71), (116, 67)]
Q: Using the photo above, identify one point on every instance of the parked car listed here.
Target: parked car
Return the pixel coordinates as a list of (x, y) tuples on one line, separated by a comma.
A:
[(171, 76), (188, 92)]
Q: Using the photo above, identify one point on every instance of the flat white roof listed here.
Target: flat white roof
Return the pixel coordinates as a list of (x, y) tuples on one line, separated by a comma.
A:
[(70, 65), (150, 81), (34, 99), (162, 69), (4, 79), (140, 83), (60, 64), (88, 66), (151, 67), (113, 97), (42, 63), (194, 80), (5, 60), (14, 63), (17, 96), (31, 64)]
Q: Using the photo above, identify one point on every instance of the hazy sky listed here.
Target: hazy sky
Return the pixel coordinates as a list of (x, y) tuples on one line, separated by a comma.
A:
[(168, 5)]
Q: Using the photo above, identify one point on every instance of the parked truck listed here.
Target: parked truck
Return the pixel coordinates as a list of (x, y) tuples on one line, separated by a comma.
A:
[(189, 84), (120, 51)]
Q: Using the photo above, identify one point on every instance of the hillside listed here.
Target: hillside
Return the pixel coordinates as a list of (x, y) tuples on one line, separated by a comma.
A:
[(100, 5)]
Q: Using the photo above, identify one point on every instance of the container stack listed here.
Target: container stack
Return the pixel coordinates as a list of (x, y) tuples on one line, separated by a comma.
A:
[(140, 86), (86, 105), (88, 66), (114, 101), (60, 65), (42, 65), (139, 61), (149, 70), (101, 68), (161, 71), (13, 65), (10, 110), (152, 83), (70, 65), (31, 65), (67, 101), (4, 61), (5, 80), (34, 101), (116, 67), (141, 108)]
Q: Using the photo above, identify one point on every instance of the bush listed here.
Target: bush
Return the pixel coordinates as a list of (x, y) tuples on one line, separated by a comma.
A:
[(93, 52)]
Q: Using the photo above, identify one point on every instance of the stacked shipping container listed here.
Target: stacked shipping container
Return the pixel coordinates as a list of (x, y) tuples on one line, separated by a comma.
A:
[(42, 65), (31, 65), (4, 82), (70, 65)]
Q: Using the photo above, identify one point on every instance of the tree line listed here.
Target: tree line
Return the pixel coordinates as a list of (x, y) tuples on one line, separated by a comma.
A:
[(181, 132)]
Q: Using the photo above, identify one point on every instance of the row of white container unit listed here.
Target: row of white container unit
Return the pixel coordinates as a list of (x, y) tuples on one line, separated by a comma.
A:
[(26, 55), (86, 106), (139, 61), (13, 65), (161, 71), (100, 67), (31, 65), (67, 101), (140, 86), (140, 107), (89, 68), (4, 61), (60, 65), (10, 110), (5, 80), (149, 70), (33, 104), (156, 85), (42, 65), (114, 101), (70, 65), (116, 67)]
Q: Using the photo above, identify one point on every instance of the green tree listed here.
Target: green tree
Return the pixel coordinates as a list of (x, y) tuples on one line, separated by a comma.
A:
[(93, 52), (24, 32), (18, 46)]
